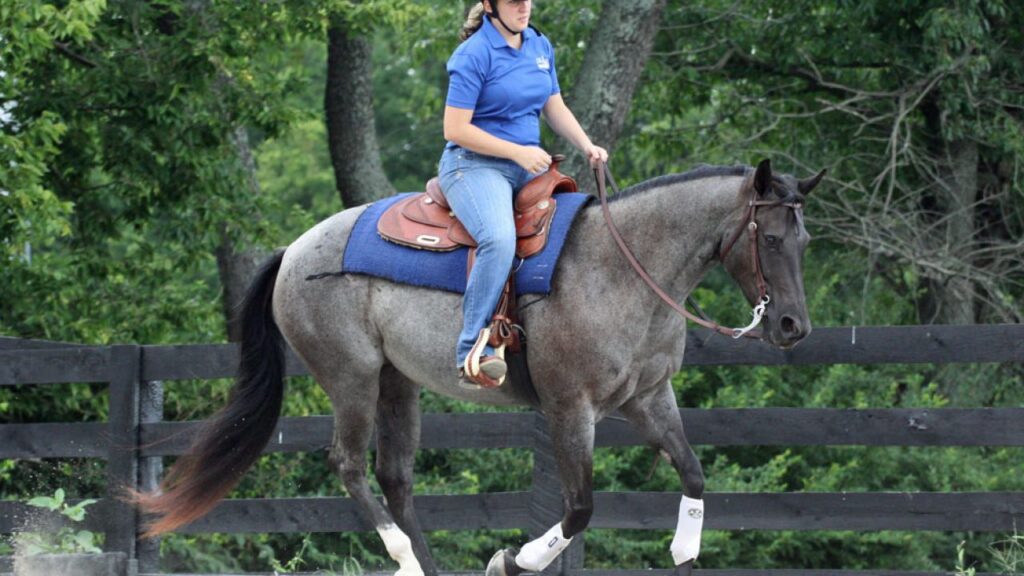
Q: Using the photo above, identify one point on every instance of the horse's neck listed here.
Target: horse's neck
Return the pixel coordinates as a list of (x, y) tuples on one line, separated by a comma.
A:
[(675, 230)]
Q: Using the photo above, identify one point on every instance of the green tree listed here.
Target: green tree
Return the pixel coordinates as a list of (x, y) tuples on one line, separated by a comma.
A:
[(129, 113), (914, 105)]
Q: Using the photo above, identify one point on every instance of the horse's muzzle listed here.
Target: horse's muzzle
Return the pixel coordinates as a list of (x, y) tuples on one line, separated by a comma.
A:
[(787, 331)]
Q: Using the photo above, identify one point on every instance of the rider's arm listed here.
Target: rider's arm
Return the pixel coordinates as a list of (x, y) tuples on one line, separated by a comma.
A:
[(459, 129), (467, 72), (564, 123)]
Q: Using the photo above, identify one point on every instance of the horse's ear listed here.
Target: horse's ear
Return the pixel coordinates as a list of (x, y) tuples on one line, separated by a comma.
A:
[(763, 177), (807, 184)]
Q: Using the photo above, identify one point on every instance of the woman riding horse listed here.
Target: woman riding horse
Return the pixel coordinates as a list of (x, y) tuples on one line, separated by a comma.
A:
[(502, 77), (601, 342)]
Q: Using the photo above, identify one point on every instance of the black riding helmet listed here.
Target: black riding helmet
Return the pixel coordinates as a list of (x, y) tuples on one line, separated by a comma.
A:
[(496, 14)]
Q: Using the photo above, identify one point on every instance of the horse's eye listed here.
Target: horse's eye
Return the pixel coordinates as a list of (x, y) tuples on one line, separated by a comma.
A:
[(772, 242)]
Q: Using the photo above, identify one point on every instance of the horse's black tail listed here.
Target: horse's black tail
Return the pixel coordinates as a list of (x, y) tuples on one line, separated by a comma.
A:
[(233, 439)]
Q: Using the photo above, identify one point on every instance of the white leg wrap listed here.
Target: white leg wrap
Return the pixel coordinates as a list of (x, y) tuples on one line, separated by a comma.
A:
[(686, 543), (400, 549), (536, 555)]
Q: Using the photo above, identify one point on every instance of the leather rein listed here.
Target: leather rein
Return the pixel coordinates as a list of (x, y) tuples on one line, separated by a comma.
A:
[(749, 225)]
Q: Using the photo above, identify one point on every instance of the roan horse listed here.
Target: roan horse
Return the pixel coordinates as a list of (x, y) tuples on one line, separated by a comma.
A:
[(600, 342)]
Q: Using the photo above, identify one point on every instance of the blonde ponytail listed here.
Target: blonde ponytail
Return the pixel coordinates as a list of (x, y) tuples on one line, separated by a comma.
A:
[(474, 20)]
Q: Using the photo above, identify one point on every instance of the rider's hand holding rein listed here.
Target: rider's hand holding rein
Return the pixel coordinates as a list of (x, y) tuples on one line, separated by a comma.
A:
[(564, 123), (596, 155)]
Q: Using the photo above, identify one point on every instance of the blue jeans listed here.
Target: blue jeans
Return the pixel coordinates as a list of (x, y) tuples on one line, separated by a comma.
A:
[(480, 190)]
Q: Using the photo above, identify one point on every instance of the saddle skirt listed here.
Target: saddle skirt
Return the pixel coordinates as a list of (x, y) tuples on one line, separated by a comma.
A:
[(425, 221), (366, 252)]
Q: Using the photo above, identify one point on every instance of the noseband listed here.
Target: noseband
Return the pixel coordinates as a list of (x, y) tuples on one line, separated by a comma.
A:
[(749, 225)]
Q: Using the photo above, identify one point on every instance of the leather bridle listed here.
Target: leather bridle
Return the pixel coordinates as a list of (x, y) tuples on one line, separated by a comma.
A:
[(749, 225)]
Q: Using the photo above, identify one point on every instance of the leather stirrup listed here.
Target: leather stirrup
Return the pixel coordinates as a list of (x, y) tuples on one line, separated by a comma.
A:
[(471, 366)]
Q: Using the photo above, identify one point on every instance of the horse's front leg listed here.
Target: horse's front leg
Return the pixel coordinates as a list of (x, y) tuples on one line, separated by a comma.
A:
[(656, 417), (572, 437)]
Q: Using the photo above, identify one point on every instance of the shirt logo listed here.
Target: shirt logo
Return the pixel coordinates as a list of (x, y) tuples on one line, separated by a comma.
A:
[(543, 63)]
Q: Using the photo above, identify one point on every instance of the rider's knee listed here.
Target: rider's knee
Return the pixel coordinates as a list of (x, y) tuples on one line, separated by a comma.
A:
[(500, 242)]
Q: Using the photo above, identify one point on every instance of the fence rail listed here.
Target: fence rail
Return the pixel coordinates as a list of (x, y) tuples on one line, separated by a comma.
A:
[(800, 511), (716, 427), (848, 345), (135, 439)]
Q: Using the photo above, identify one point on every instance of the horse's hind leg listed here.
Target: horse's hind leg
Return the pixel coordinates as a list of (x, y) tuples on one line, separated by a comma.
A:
[(355, 397), (572, 437), (656, 417), (398, 436)]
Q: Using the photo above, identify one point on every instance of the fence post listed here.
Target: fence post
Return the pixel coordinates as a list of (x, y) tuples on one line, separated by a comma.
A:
[(122, 468), (151, 409), (546, 506)]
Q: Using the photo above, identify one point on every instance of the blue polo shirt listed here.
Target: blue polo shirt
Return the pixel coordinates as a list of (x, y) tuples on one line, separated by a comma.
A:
[(504, 87)]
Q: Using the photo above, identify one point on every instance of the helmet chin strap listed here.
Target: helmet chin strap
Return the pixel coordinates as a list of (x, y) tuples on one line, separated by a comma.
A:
[(496, 14)]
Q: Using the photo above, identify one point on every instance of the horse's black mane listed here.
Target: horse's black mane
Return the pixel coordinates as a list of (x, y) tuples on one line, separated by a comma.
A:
[(698, 173)]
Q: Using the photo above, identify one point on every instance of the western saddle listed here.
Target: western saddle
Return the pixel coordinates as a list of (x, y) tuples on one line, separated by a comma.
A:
[(425, 221)]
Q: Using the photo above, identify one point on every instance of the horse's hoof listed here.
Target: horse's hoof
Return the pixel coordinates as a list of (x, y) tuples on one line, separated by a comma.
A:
[(684, 569), (503, 563)]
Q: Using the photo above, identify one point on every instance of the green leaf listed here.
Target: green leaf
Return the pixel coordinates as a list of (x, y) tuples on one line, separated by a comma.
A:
[(86, 541), (35, 548), (43, 502), (77, 512)]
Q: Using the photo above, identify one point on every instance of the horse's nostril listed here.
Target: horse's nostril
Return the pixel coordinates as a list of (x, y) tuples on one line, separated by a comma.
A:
[(790, 327)]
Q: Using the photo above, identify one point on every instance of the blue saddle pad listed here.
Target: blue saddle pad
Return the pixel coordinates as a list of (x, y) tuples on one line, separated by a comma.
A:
[(368, 253)]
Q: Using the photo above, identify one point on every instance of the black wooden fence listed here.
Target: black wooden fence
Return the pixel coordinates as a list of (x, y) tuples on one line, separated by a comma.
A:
[(128, 441)]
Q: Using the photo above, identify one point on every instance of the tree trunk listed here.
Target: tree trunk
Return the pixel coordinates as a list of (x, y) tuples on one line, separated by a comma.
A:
[(358, 172), (616, 55), (952, 299), (236, 268)]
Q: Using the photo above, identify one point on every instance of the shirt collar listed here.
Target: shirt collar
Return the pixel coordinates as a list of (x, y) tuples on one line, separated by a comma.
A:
[(495, 37)]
